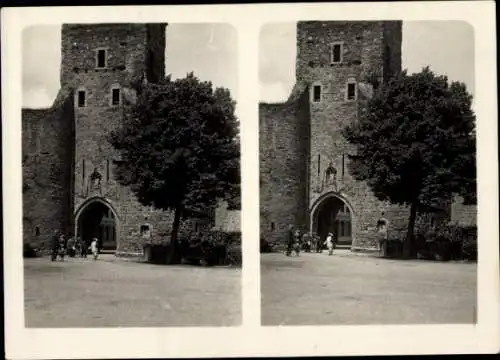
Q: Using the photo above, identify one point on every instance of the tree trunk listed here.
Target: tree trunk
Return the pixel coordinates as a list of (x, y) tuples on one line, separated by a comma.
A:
[(408, 242), (173, 253)]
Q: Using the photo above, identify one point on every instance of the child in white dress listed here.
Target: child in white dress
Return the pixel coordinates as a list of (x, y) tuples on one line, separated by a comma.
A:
[(93, 248), (329, 243)]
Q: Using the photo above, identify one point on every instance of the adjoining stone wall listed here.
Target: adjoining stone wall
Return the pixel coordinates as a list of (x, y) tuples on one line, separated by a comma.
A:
[(227, 220), (47, 136), (464, 215), (284, 141)]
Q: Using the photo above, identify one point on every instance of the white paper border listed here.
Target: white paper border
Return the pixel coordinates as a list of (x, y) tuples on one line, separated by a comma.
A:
[(250, 339)]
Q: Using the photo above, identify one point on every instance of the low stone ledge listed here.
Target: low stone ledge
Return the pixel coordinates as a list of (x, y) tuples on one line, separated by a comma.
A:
[(123, 254), (367, 251)]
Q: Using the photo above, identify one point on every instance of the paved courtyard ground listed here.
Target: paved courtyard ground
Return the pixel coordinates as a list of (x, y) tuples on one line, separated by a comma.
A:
[(348, 289), (112, 293)]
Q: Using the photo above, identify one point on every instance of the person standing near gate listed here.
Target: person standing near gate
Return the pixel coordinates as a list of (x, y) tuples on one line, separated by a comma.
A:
[(289, 240), (54, 245), (382, 234), (84, 247), (61, 246), (297, 242)]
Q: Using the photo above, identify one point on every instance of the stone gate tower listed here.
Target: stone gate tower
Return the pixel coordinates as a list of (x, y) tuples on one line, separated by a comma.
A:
[(304, 175), (102, 66)]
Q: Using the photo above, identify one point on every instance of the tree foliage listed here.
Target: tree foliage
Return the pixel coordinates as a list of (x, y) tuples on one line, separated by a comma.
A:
[(416, 142), (180, 147)]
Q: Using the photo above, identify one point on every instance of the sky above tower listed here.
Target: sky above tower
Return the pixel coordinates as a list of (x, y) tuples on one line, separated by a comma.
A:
[(209, 50), (446, 46)]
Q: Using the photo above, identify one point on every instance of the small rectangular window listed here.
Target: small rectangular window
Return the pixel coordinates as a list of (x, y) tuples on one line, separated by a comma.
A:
[(317, 93), (37, 231), (336, 54), (81, 98), (351, 91), (272, 226), (101, 58), (115, 97)]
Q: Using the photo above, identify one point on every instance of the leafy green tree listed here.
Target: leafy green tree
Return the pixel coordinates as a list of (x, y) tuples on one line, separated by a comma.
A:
[(180, 148), (416, 143)]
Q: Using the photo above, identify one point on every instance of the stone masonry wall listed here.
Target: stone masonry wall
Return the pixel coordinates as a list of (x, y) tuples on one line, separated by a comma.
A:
[(284, 141), (393, 38), (47, 135)]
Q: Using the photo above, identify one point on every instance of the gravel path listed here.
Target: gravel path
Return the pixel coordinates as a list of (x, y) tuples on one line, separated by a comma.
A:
[(118, 293), (343, 289)]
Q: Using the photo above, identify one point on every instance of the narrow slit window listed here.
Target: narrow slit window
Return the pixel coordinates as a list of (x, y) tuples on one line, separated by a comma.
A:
[(319, 164), (115, 97), (37, 231), (336, 54), (83, 170), (107, 170), (351, 91), (101, 58), (343, 164), (317, 93), (272, 226), (81, 98)]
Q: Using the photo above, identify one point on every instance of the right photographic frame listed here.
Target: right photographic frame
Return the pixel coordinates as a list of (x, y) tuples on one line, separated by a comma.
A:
[(367, 136)]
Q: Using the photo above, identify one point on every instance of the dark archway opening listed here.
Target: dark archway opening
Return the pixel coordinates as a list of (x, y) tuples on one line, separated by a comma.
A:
[(333, 215), (97, 220)]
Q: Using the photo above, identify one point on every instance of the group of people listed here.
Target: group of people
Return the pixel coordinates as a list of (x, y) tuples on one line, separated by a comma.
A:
[(62, 246), (297, 241)]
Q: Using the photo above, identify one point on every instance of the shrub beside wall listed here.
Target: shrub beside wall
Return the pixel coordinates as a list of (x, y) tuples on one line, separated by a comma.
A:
[(206, 248), (441, 243)]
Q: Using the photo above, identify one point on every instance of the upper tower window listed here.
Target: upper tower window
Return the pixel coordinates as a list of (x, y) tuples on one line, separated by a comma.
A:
[(336, 50), (316, 93), (351, 93), (101, 58)]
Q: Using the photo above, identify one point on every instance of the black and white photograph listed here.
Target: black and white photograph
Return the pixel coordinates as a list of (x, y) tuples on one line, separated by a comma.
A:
[(250, 180), (131, 183), (367, 173)]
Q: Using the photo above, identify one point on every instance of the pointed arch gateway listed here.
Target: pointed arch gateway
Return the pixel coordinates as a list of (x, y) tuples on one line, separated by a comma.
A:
[(96, 217), (333, 213)]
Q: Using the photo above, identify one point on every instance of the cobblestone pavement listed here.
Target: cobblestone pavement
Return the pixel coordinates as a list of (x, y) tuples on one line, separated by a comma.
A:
[(349, 289), (111, 292)]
